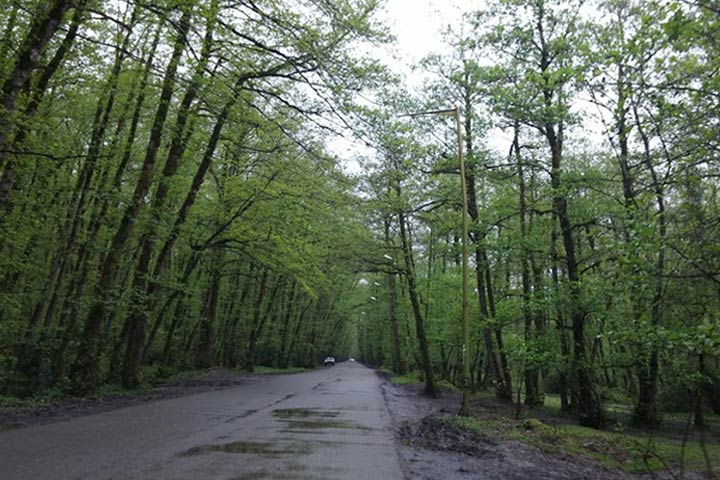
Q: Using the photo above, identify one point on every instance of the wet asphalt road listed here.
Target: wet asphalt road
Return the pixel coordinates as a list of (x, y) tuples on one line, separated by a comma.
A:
[(325, 424)]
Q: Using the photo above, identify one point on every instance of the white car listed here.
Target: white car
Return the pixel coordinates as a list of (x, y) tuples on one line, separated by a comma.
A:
[(352, 359), (329, 361)]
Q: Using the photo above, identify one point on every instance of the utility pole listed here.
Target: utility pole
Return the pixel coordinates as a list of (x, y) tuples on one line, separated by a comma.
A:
[(465, 405)]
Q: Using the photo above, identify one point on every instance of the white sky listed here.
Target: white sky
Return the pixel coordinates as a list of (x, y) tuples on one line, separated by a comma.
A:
[(417, 26), (417, 23)]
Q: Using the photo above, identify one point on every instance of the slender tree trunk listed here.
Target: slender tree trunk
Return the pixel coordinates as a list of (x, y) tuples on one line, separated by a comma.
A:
[(494, 365), (46, 21), (174, 324), (426, 365), (145, 291), (85, 368), (296, 334), (398, 364), (560, 321), (532, 388), (285, 330), (207, 325), (197, 181), (268, 318), (646, 408), (71, 225), (589, 407), (255, 324)]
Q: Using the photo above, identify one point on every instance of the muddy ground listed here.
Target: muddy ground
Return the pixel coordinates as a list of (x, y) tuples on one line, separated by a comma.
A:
[(20, 417), (431, 448)]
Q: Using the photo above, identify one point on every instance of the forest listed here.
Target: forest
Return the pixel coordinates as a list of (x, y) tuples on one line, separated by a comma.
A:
[(538, 219)]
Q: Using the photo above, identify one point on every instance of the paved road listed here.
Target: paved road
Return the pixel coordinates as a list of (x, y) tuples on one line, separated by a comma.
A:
[(326, 424)]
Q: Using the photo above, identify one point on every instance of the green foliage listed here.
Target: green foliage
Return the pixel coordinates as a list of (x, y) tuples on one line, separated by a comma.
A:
[(250, 191)]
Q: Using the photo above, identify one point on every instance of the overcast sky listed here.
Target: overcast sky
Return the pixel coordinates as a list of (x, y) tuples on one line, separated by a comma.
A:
[(417, 26), (417, 23)]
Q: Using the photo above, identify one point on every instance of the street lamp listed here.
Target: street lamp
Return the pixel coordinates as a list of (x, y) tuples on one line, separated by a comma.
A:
[(465, 406)]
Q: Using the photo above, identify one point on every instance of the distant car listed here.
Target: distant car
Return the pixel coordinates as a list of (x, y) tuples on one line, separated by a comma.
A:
[(352, 359), (329, 361)]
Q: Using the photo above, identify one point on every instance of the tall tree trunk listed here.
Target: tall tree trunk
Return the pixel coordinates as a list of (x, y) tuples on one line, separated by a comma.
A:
[(145, 291), (398, 364), (205, 357), (292, 300), (174, 324), (426, 365), (496, 371), (30, 110), (296, 334), (197, 181), (589, 407), (85, 368), (46, 21), (255, 323), (268, 318), (560, 321), (71, 225), (646, 408), (532, 386)]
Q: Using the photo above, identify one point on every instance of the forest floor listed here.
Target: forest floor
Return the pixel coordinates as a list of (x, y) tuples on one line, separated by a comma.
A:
[(491, 444), (41, 410)]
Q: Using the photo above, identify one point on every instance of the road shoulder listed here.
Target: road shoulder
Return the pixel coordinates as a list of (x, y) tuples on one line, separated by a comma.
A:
[(430, 447), (14, 417)]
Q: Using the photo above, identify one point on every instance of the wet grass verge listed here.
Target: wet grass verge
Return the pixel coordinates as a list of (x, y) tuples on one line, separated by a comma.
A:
[(414, 378), (630, 453)]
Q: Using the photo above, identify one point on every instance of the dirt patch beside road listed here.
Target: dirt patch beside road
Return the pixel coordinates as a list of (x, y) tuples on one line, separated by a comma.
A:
[(432, 447)]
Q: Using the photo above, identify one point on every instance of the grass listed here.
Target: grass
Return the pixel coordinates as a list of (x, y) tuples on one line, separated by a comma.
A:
[(613, 407), (711, 419), (413, 378), (631, 453)]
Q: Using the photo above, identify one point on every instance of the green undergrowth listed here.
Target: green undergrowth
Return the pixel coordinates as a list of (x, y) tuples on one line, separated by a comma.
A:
[(631, 453), (414, 378), (45, 397), (410, 378), (152, 377), (616, 404)]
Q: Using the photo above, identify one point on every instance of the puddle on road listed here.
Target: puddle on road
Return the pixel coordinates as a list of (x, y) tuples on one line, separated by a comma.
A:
[(323, 424), (304, 413), (311, 420), (253, 448)]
